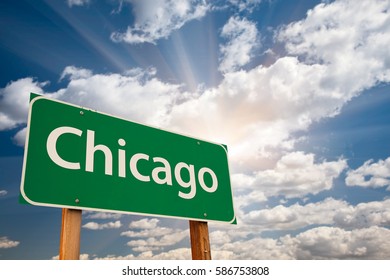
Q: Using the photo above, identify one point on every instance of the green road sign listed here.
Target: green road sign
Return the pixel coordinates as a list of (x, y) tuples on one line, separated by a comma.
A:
[(79, 158)]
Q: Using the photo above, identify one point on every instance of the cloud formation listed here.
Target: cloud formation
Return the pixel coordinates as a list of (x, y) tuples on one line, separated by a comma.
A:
[(147, 236), (333, 54), (295, 175), (295, 216), (329, 229), (317, 243), (14, 101), (144, 223), (245, 5), (255, 111), (242, 36), (97, 226), (363, 215), (5, 243), (327, 212), (136, 94), (336, 243), (158, 243), (349, 38), (101, 215), (158, 19), (370, 175), (77, 2)]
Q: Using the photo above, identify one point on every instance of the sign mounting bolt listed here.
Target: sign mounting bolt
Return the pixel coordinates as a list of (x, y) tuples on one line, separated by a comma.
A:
[(77, 200), (81, 112), (205, 214)]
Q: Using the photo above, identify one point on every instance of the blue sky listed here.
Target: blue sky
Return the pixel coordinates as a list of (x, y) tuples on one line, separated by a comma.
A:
[(298, 90)]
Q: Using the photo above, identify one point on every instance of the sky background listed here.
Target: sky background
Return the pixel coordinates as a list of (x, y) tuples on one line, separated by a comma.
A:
[(298, 90)]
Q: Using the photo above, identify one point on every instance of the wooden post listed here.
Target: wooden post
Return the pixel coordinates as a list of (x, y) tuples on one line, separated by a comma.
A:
[(70, 234), (200, 244)]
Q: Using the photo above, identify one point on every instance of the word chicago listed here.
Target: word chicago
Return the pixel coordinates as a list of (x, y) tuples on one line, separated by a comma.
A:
[(160, 174)]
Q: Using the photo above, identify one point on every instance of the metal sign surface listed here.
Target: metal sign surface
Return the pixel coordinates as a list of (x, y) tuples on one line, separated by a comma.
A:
[(82, 159)]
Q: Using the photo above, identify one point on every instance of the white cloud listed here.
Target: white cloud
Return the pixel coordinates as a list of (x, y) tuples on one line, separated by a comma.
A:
[(101, 215), (82, 257), (14, 100), (242, 181), (253, 249), (3, 193), (158, 242), (245, 5), (113, 257), (316, 243), (130, 96), (243, 39), (20, 137), (144, 223), (174, 254), (370, 175), (295, 175), (77, 2), (5, 243), (295, 216), (74, 73), (136, 95), (251, 198), (327, 212), (219, 237), (97, 226), (254, 112), (133, 95), (349, 37), (336, 243), (158, 19), (154, 232), (375, 213), (350, 224), (147, 236), (356, 229), (351, 232)]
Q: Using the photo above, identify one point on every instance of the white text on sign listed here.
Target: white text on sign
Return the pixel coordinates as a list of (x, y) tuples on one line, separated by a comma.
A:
[(160, 174)]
